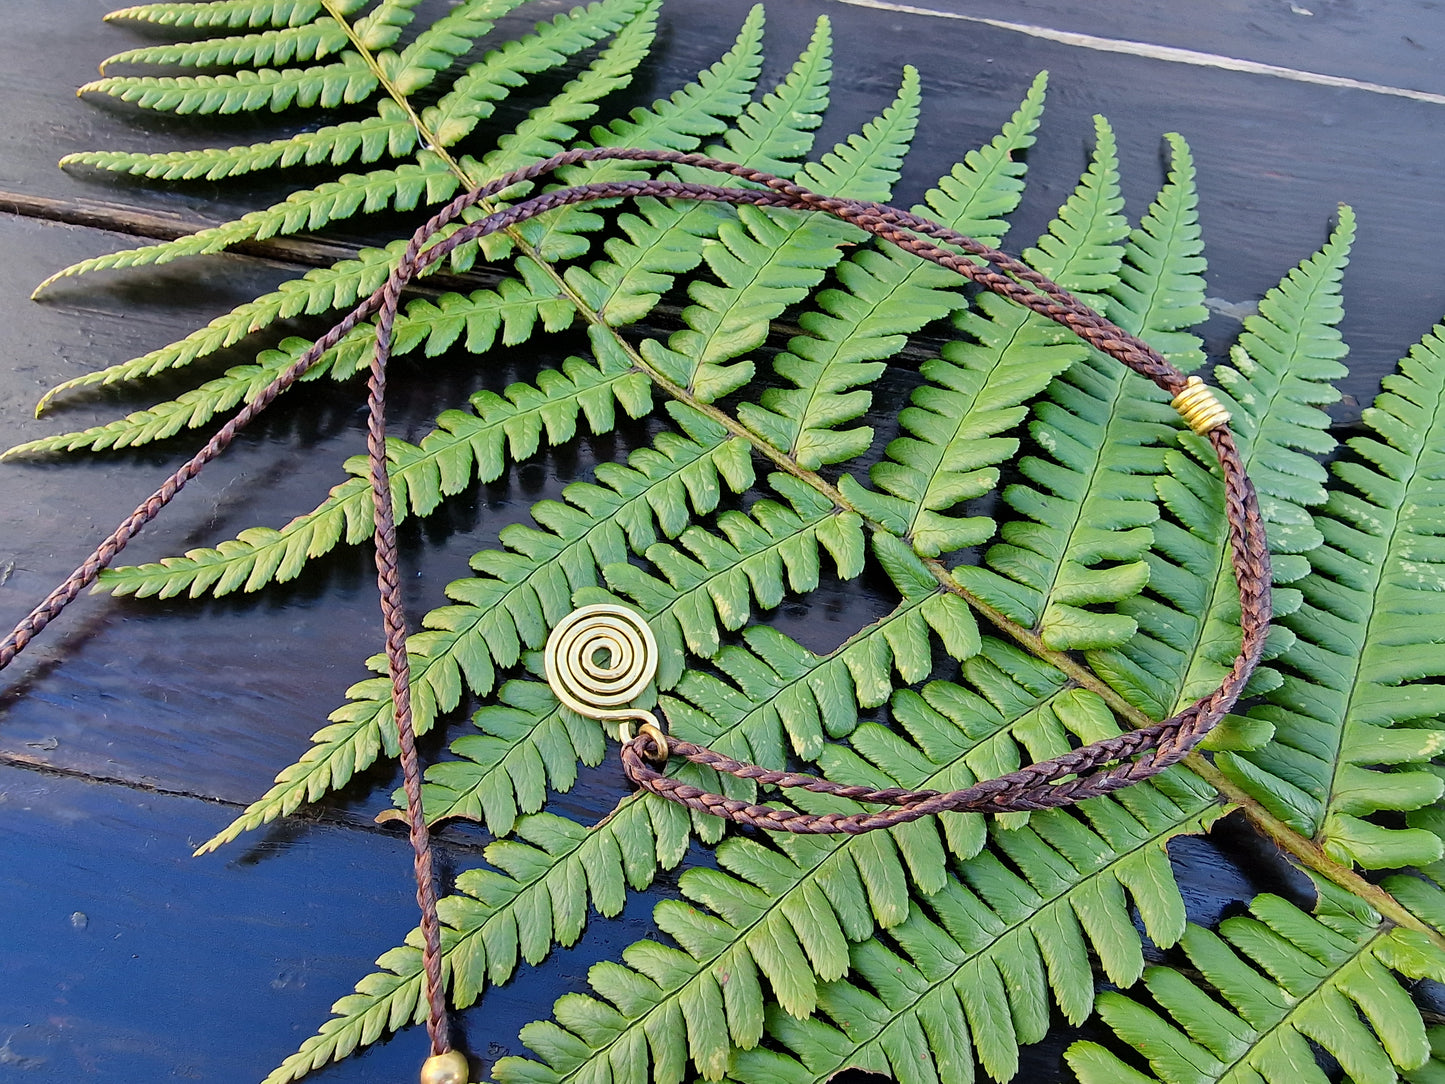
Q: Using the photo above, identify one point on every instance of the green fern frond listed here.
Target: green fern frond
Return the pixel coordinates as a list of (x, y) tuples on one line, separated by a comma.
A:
[(383, 24), (347, 81), (441, 43), (970, 972), (350, 741), (428, 180), (495, 615), (982, 954), (1091, 503), (1269, 987), (509, 313), (319, 290), (1367, 640), (664, 239), (310, 41), (679, 122), (504, 429), (388, 134), (1283, 373), (191, 408), (885, 297), (786, 916), (202, 14), (548, 128), (976, 390), (536, 896)]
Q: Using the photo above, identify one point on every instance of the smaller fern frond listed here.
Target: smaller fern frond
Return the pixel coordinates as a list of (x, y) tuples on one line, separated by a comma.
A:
[(427, 180), (1269, 986), (885, 296), (537, 895), (502, 429), (189, 409), (701, 108), (767, 261), (230, 14), (980, 192), (509, 313), (389, 133), (346, 81), (977, 389), (320, 290), (382, 25), (299, 44), (1365, 663), (968, 975), (441, 43), (548, 128)]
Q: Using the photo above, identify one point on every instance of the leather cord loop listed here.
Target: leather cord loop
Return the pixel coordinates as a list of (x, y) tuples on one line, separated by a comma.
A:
[(1081, 773)]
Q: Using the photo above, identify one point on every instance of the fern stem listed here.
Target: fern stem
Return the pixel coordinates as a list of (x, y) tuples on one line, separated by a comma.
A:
[(1309, 853)]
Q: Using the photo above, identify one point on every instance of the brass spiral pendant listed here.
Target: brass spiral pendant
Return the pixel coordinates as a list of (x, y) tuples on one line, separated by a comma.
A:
[(600, 657)]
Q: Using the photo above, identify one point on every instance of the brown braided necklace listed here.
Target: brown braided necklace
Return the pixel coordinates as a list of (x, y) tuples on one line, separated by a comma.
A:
[(600, 658)]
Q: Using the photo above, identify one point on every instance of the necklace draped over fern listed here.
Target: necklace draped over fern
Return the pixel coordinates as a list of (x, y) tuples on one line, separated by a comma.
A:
[(922, 950)]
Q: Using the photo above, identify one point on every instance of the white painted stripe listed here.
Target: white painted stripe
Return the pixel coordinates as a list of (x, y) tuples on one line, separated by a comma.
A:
[(1167, 53)]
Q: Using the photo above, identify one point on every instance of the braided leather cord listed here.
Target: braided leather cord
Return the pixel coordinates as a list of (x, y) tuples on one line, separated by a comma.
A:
[(1082, 773)]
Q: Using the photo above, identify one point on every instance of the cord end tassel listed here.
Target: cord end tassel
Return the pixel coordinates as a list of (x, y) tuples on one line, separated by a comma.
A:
[(1198, 406)]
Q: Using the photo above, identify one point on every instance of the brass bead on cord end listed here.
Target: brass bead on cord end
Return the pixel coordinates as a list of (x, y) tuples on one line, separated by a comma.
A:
[(1199, 407), (448, 1068)]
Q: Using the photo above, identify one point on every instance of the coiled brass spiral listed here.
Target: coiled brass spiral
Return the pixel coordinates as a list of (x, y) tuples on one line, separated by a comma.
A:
[(600, 657), (1199, 407)]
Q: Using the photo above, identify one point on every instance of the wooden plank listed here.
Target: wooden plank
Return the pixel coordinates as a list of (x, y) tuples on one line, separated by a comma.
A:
[(210, 700), (128, 960)]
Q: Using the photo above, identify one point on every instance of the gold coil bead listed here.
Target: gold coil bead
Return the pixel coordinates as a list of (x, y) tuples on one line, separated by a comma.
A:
[(600, 657), (1199, 407)]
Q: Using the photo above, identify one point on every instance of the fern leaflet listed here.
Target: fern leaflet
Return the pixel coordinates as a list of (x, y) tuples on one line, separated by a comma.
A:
[(1367, 640), (1278, 981)]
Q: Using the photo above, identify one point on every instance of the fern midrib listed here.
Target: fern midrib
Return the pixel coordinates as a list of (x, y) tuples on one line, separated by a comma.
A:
[(1377, 572), (1302, 848)]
